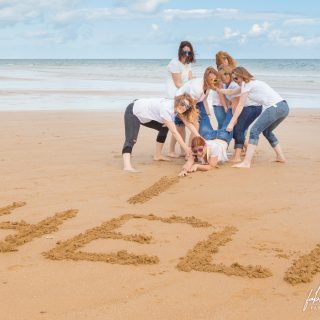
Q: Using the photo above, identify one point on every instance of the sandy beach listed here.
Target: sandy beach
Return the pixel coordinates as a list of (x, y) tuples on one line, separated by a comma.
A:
[(81, 239)]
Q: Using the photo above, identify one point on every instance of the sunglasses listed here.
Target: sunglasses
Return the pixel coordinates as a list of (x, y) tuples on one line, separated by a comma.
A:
[(187, 106), (197, 150), (234, 77), (187, 53)]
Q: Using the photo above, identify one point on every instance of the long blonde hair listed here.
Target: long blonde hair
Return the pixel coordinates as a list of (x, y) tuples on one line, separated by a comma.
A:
[(209, 70), (191, 115)]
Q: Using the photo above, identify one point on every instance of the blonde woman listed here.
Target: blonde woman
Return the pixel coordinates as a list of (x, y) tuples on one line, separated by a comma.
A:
[(276, 110), (199, 90), (157, 114)]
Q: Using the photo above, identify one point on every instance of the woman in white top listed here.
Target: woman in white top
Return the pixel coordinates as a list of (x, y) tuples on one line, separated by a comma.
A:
[(157, 114), (178, 73), (276, 111), (210, 149), (206, 154), (249, 113), (199, 89)]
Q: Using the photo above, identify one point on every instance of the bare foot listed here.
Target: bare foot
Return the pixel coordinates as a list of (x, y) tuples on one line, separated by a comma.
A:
[(131, 170), (173, 155), (241, 165), (161, 158), (279, 159), (234, 160)]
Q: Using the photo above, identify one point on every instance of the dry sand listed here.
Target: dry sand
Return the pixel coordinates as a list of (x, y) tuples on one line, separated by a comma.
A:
[(81, 239)]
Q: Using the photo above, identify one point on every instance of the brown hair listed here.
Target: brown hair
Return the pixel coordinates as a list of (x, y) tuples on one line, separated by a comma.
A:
[(220, 57), (209, 70), (243, 73), (191, 115), (189, 59)]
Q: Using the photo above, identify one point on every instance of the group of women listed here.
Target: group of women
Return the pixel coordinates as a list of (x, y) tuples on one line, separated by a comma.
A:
[(238, 101)]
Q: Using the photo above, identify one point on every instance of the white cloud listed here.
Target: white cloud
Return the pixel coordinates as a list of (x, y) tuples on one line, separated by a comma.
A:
[(155, 27), (170, 14), (303, 41), (302, 21), (257, 30), (229, 33), (142, 6)]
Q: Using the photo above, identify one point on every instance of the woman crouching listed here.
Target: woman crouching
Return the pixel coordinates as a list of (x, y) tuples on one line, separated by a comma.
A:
[(158, 114)]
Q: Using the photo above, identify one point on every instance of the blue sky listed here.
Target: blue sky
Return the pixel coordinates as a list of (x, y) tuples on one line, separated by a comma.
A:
[(154, 28)]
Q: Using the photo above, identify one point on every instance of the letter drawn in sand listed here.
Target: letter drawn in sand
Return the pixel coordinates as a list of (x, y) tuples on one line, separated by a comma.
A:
[(304, 269), (199, 258), (27, 232), (8, 209), (160, 186), (70, 249)]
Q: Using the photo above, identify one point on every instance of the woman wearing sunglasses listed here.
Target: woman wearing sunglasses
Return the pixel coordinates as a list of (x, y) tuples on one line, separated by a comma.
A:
[(209, 150), (251, 110), (157, 114), (276, 111), (199, 90), (178, 73)]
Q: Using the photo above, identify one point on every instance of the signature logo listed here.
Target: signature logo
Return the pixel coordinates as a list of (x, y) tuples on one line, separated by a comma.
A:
[(313, 300)]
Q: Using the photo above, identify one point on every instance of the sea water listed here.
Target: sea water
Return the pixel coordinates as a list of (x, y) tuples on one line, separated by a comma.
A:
[(112, 84)]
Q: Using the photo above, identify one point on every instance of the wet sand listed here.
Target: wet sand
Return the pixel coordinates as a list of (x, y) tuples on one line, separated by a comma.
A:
[(81, 239)]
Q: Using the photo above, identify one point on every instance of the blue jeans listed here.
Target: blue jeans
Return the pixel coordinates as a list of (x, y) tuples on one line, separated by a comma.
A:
[(220, 115), (247, 116), (205, 127), (267, 122)]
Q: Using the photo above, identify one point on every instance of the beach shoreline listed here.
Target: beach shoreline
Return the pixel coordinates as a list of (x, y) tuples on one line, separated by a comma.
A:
[(55, 161)]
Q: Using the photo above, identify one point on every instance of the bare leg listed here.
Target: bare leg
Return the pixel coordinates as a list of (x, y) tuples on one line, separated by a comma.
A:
[(236, 157), (157, 155), (246, 163), (172, 153), (279, 154), (127, 163)]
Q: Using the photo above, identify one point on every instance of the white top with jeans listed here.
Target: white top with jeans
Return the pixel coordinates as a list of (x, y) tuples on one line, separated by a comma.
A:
[(261, 93)]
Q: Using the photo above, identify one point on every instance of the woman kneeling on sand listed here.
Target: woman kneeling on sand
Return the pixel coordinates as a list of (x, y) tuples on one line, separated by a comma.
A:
[(276, 111), (158, 114)]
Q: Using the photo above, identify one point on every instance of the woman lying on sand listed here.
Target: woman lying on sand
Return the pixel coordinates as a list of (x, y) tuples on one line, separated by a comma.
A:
[(157, 114), (276, 111), (208, 152)]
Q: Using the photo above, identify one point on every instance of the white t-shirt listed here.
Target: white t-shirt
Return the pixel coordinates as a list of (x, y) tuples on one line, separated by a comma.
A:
[(195, 88), (214, 96), (176, 66), (157, 109), (232, 85), (261, 93), (217, 148)]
